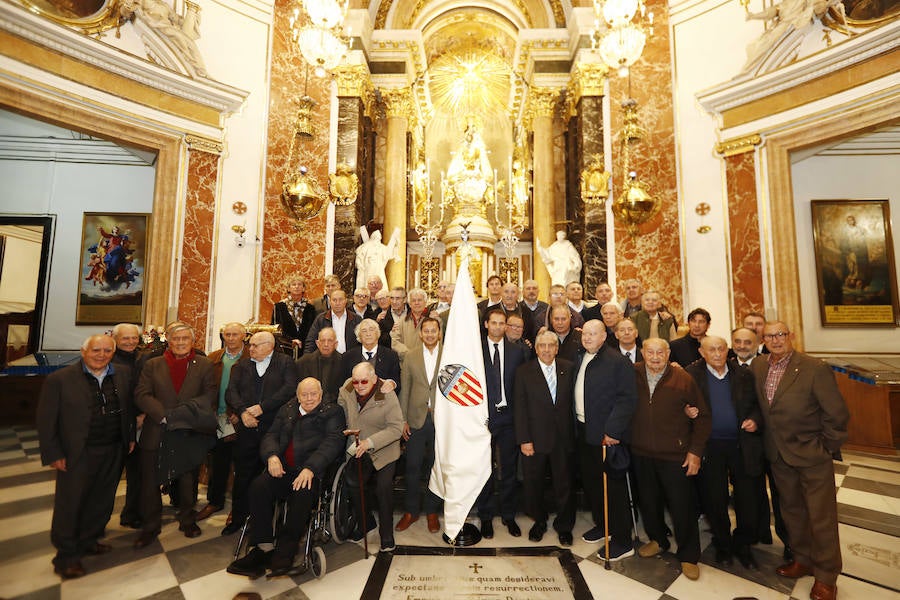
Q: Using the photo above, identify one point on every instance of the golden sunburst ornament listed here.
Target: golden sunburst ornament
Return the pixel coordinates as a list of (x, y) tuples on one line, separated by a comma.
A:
[(470, 82)]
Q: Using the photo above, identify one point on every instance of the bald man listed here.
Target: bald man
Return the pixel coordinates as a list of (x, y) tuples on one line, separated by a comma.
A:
[(257, 389)]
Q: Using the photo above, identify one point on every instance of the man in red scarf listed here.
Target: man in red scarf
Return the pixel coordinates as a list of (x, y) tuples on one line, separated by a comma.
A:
[(177, 391)]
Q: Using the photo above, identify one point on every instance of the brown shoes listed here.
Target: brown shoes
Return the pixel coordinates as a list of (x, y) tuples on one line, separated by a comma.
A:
[(405, 521), (73, 571), (649, 549), (433, 524), (823, 591), (691, 570), (207, 511), (99, 548), (191, 530), (794, 570), (145, 539)]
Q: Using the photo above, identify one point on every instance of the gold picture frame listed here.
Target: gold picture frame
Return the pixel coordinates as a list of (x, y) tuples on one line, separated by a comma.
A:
[(855, 269), (89, 16)]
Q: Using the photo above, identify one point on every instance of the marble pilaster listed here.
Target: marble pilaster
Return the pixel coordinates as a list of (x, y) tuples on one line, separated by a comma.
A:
[(541, 106), (289, 248), (398, 105), (743, 228), (654, 256), (197, 243)]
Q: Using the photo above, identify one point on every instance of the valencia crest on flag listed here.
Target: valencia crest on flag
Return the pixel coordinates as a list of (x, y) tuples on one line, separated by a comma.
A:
[(460, 385)]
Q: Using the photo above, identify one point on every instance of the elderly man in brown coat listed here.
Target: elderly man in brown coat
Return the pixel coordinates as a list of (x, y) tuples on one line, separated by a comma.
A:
[(376, 415)]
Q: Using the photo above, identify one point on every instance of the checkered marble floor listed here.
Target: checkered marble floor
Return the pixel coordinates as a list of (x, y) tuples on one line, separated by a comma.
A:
[(179, 568)]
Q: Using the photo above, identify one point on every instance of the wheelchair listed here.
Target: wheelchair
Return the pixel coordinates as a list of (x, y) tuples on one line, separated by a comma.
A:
[(331, 519)]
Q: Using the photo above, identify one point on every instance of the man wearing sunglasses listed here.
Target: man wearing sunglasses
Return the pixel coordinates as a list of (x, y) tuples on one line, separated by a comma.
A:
[(805, 425)]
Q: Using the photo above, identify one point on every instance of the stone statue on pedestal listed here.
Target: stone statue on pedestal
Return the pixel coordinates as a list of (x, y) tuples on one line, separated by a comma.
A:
[(372, 256)]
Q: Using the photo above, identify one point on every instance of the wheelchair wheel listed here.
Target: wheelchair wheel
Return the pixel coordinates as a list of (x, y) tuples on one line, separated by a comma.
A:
[(341, 520), (317, 561)]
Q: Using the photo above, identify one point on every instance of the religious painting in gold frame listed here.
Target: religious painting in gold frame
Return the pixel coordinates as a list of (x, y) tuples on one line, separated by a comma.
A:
[(89, 16), (112, 268), (855, 269)]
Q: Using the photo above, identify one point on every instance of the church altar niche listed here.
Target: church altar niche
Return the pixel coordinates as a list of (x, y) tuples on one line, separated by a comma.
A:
[(469, 173)]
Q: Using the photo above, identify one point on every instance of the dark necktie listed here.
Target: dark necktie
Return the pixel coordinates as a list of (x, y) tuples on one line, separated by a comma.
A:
[(495, 394), (369, 355), (628, 355)]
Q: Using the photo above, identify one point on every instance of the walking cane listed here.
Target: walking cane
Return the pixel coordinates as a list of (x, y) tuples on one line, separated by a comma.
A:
[(631, 507), (362, 492), (605, 511)]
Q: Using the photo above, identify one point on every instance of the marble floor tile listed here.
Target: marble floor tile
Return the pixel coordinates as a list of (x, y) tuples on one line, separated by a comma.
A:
[(11, 454), (347, 582), (200, 559), (13, 527), (892, 477), (27, 575), (838, 479), (871, 460), (612, 584), (716, 585), (848, 589), (222, 584), (870, 556), (882, 488), (128, 581), (869, 500), (33, 490)]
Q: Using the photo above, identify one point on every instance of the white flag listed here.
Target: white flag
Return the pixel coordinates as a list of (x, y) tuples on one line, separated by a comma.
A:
[(462, 441)]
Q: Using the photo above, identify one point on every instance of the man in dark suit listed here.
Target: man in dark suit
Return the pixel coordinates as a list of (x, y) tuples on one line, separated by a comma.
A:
[(295, 315), (177, 391), (734, 451), (546, 436), (128, 338), (395, 314), (561, 324), (385, 360), (85, 423), (537, 308), (417, 394), (805, 425), (501, 359), (686, 349), (360, 305), (257, 389), (495, 296), (324, 365), (604, 399), (323, 303), (338, 318)]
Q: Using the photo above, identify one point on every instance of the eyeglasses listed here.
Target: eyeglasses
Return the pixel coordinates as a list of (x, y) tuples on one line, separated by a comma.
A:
[(773, 336), (359, 381)]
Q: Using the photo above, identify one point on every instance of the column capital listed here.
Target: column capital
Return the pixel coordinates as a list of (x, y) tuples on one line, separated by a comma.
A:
[(739, 145), (541, 103), (398, 103), (353, 81), (588, 79)]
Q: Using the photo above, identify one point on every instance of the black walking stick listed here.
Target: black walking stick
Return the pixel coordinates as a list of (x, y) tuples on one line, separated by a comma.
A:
[(362, 491), (605, 511)]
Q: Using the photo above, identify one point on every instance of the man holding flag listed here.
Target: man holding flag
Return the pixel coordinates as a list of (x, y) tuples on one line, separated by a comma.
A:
[(462, 444)]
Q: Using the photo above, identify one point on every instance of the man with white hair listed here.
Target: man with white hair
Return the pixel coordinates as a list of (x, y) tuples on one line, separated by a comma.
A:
[(127, 337), (177, 391), (256, 390), (405, 332), (85, 425)]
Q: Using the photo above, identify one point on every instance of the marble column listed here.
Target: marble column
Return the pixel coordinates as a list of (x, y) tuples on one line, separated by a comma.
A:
[(199, 232), (743, 226), (543, 215), (353, 150), (586, 130), (398, 107)]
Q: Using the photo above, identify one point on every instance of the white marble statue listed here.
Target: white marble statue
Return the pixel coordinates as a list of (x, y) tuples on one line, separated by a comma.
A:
[(372, 256), (179, 33), (561, 259), (785, 17)]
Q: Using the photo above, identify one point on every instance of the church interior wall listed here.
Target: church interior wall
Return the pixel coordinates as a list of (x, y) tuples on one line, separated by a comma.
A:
[(67, 190), (840, 178)]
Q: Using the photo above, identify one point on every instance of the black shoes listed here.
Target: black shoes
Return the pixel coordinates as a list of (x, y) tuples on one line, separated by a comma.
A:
[(565, 538), (723, 557), (73, 571), (513, 527), (191, 530), (233, 527), (537, 531), (134, 523), (487, 529), (745, 557), (594, 535), (253, 565), (357, 535), (145, 539)]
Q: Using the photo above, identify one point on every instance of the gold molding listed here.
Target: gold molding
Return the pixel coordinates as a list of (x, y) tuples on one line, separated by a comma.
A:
[(83, 73), (355, 81), (398, 103), (812, 90), (106, 18), (200, 144), (588, 79), (541, 103), (384, 7), (739, 145)]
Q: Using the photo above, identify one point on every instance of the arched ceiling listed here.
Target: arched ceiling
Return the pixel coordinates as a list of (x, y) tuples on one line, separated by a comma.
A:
[(414, 14)]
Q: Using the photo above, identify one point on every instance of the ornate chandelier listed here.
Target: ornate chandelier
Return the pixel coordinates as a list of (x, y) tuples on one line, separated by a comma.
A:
[(321, 39), (621, 28)]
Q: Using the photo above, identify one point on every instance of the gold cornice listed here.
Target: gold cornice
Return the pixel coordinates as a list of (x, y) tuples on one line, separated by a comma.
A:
[(200, 144), (812, 90), (384, 7), (559, 15), (74, 70), (739, 145)]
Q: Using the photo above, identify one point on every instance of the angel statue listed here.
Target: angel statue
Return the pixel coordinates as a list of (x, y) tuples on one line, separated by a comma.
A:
[(372, 256)]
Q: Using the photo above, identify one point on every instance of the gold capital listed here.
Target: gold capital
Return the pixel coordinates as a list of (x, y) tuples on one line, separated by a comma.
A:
[(398, 103), (201, 144), (588, 79), (739, 145), (354, 81), (541, 103)]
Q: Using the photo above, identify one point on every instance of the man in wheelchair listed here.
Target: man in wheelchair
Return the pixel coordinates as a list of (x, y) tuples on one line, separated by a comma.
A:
[(304, 440)]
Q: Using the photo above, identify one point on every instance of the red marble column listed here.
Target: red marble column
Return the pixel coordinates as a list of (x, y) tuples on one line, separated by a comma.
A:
[(743, 226), (196, 248), (654, 256), (287, 251)]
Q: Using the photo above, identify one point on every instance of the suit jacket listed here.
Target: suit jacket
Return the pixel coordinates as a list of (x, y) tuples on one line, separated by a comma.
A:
[(610, 395), (807, 421), (156, 396), (326, 369), (685, 350), (642, 324), (321, 304), (216, 356), (279, 384), (387, 363), (290, 330), (323, 321), (318, 436), (746, 406), (368, 313), (64, 410), (569, 348), (537, 419), (513, 357), (538, 316), (417, 391), (380, 421), (405, 336)]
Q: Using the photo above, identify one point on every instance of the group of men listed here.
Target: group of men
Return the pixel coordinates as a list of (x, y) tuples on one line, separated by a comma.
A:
[(601, 394)]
